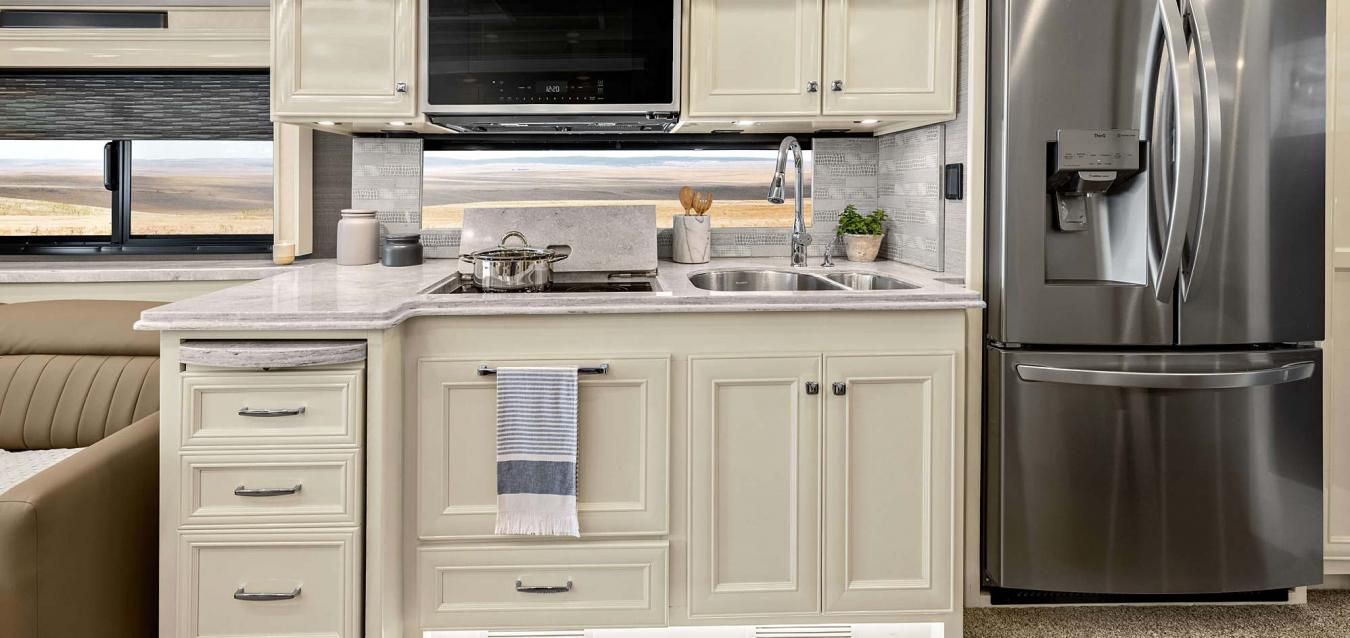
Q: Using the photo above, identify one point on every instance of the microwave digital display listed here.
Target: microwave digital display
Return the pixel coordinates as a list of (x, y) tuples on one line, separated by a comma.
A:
[(483, 53)]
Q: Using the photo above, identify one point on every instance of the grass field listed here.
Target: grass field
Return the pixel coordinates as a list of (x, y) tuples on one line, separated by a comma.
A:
[(166, 200), (731, 214)]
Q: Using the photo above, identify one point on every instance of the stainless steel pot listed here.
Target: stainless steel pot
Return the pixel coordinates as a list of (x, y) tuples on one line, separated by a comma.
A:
[(513, 268)]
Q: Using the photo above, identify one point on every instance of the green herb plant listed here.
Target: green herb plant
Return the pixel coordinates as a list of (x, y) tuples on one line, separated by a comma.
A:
[(851, 222)]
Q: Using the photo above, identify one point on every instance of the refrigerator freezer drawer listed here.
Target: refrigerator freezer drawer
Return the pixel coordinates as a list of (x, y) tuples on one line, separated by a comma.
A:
[(1153, 473)]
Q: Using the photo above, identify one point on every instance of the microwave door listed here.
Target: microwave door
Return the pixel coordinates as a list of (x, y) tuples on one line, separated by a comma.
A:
[(546, 57)]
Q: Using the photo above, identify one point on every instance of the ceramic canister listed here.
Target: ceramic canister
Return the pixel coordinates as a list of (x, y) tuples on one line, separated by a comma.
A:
[(358, 238)]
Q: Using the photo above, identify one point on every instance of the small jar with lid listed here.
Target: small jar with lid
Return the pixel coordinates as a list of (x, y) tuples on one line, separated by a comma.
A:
[(402, 250), (358, 238)]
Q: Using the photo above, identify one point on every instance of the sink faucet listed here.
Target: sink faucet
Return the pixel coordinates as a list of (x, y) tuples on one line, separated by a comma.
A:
[(829, 252), (800, 240)]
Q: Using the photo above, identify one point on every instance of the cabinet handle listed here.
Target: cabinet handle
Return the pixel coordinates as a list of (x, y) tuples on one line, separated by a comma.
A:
[(267, 491), (812, 86), (543, 589), (837, 85), (265, 414), (265, 597), (400, 87), (812, 387), (840, 388)]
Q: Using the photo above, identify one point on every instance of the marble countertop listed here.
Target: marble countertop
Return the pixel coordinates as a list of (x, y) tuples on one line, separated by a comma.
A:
[(324, 296), (100, 271)]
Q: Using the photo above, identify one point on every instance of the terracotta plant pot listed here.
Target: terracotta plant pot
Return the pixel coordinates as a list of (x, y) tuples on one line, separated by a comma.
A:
[(692, 241), (862, 247)]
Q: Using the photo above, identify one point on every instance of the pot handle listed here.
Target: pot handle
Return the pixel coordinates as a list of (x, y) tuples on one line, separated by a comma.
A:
[(518, 235), (562, 252), (468, 259)]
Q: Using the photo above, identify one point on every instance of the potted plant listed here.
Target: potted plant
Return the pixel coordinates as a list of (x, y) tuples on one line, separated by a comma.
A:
[(862, 233), (692, 231)]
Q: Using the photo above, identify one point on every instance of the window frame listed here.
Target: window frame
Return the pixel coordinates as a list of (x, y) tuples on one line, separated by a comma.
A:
[(117, 170)]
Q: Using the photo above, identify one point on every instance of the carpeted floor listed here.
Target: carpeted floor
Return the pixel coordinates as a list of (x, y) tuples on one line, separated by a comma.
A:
[(1327, 615)]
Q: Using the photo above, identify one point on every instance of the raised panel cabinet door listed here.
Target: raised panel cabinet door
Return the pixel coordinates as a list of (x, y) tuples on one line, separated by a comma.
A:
[(754, 58), (890, 57), (754, 471), (623, 434), (889, 441), (339, 59)]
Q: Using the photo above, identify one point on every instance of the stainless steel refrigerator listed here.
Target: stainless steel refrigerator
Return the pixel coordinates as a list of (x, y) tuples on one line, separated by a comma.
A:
[(1153, 399)]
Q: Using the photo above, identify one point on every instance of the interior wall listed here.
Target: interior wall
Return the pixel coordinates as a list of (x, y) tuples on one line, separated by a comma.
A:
[(332, 188)]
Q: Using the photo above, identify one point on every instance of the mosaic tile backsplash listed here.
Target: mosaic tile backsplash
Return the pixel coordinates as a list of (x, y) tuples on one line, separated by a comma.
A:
[(387, 178)]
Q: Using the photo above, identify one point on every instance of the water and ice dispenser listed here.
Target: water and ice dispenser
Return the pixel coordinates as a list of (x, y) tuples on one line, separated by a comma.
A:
[(1098, 230)]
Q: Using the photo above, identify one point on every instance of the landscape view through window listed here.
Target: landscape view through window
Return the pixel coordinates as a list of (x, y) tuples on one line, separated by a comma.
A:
[(738, 180), (55, 188)]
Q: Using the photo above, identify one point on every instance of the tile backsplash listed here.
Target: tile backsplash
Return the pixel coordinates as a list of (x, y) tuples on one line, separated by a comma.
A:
[(387, 178)]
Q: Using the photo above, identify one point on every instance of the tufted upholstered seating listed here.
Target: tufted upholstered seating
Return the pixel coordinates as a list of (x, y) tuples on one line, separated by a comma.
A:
[(78, 540)]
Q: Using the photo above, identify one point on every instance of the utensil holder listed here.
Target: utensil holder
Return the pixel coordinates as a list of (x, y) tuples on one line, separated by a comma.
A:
[(692, 239)]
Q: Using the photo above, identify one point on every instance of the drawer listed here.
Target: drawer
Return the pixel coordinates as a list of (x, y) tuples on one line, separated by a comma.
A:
[(289, 488), (554, 586), (313, 580), (273, 408), (623, 435)]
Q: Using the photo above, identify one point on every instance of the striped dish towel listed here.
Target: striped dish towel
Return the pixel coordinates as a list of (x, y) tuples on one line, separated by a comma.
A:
[(537, 451)]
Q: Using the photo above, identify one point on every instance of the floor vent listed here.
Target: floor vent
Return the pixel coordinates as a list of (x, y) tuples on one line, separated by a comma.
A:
[(1000, 596), (804, 631)]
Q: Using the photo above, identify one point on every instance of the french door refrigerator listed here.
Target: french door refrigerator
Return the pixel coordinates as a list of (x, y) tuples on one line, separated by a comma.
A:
[(1155, 235)]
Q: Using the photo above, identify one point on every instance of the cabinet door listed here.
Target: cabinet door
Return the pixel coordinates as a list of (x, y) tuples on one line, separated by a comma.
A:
[(623, 430), (339, 59), (754, 545), (888, 493), (890, 57), (754, 58)]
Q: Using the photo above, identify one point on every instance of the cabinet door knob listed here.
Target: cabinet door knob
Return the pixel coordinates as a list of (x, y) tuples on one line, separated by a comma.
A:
[(812, 86), (837, 85), (400, 87), (840, 388), (812, 387)]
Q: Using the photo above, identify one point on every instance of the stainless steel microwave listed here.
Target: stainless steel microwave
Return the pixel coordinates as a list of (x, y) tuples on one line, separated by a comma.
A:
[(568, 66)]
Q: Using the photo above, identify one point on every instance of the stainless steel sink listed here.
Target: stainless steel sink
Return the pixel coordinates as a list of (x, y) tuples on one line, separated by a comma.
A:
[(737, 280), (760, 281), (869, 281)]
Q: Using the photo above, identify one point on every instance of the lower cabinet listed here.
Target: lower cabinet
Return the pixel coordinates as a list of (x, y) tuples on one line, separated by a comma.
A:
[(547, 585), (270, 585), (780, 451), (623, 431), (754, 504)]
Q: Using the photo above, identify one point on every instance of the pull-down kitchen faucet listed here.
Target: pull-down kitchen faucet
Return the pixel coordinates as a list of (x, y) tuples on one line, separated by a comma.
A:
[(800, 240)]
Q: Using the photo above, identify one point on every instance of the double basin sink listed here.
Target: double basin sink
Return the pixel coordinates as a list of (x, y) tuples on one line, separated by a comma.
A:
[(769, 280)]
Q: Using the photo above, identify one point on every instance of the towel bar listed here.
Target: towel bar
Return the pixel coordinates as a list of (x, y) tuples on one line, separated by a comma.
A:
[(600, 369)]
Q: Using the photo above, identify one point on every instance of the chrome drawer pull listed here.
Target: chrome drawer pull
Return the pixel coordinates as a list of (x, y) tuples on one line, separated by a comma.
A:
[(603, 368), (543, 589), (267, 491), (271, 413), (265, 597)]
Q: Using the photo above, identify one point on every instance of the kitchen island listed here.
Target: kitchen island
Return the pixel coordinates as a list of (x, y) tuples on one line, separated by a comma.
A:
[(745, 459)]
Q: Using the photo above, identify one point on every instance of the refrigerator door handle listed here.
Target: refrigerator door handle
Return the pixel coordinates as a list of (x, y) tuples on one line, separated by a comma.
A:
[(1168, 380), (1184, 90), (1213, 137)]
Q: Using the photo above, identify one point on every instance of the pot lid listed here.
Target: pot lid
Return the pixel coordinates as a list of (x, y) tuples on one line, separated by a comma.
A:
[(513, 253)]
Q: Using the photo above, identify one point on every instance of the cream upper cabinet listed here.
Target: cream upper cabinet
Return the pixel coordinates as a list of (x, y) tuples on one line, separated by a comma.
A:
[(889, 57), (754, 436), (826, 61), (754, 58), (888, 522), (336, 59)]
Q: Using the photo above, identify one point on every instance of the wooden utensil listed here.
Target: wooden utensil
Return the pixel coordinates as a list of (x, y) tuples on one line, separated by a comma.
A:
[(687, 197), (703, 202)]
